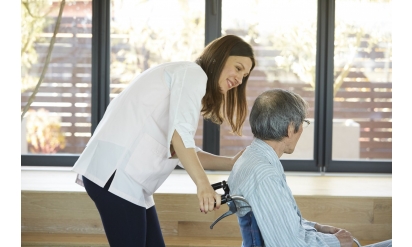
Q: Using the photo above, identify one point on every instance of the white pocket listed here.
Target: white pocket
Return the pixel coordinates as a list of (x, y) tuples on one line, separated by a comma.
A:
[(148, 164)]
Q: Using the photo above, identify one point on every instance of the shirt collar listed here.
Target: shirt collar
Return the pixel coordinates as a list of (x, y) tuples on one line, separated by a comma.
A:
[(265, 148), (267, 151)]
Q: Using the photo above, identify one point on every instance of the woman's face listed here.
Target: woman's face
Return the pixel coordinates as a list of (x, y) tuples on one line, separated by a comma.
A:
[(235, 69)]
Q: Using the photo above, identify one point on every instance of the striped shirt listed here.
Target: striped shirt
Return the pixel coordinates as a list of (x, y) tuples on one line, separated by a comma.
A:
[(259, 177)]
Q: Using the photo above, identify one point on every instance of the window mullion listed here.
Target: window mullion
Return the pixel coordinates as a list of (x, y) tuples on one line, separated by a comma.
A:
[(324, 84), (213, 23), (100, 60)]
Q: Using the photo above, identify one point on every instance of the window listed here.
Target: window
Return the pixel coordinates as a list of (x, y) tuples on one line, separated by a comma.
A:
[(285, 50), (362, 111), (341, 64), (58, 119)]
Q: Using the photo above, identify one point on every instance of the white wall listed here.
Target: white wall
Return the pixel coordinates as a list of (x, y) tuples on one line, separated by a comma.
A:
[(345, 141)]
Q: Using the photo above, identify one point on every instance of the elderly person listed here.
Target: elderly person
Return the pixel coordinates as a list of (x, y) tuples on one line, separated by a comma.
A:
[(277, 120)]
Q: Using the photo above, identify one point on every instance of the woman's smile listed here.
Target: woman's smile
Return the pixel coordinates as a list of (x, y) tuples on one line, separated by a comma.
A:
[(235, 69)]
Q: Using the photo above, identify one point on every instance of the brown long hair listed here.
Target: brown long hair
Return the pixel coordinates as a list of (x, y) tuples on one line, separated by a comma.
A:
[(214, 105)]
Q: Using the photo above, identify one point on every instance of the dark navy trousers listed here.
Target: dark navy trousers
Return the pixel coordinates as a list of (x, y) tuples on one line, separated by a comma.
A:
[(126, 224)]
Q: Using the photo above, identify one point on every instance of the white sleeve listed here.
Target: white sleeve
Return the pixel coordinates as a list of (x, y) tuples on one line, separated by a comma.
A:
[(187, 90)]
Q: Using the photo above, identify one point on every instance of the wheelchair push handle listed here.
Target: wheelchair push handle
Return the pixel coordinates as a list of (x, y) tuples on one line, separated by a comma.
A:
[(228, 200), (223, 200), (221, 185)]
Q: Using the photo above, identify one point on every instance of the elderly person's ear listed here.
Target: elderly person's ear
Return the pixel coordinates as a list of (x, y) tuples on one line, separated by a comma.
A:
[(291, 130)]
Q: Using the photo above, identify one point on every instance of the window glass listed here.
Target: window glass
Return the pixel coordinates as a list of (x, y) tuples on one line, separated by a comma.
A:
[(362, 108), (58, 118), (283, 35), (148, 33)]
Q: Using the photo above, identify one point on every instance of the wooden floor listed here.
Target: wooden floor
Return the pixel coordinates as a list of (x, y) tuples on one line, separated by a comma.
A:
[(58, 212), (99, 240)]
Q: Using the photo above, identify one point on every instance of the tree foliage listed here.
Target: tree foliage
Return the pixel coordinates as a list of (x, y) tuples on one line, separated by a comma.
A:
[(145, 38), (33, 16)]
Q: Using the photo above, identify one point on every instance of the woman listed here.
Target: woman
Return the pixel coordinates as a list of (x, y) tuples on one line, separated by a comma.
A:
[(151, 123)]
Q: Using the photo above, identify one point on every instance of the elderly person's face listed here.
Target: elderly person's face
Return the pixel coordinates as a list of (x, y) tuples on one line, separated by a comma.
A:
[(292, 138)]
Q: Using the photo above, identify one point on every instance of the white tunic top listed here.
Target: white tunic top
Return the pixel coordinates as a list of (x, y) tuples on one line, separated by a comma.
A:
[(133, 138)]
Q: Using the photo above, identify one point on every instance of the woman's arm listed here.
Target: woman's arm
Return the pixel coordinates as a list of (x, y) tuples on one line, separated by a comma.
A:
[(190, 161), (215, 162)]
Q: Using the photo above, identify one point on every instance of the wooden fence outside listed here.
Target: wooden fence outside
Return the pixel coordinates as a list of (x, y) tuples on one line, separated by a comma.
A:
[(66, 91)]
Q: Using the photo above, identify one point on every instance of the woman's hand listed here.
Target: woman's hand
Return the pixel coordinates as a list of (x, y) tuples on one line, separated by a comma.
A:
[(207, 198), (234, 158)]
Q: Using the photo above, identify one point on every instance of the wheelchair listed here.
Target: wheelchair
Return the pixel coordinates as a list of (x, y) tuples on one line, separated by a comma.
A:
[(230, 201)]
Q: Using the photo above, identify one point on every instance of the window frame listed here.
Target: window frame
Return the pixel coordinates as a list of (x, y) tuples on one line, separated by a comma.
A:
[(322, 161)]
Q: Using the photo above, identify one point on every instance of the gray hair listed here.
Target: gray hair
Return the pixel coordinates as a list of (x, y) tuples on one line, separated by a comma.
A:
[(273, 111)]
